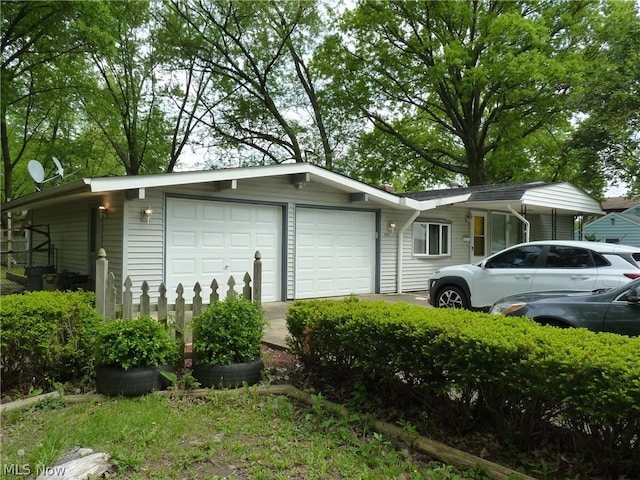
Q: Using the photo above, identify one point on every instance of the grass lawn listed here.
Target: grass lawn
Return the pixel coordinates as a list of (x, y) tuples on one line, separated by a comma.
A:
[(235, 435)]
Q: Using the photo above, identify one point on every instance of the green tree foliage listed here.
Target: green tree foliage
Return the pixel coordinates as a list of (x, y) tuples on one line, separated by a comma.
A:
[(121, 98), (39, 49), (462, 87), (264, 102), (413, 93), (608, 139)]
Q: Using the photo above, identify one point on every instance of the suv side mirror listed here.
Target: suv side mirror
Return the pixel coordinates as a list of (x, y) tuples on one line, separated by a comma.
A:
[(634, 295)]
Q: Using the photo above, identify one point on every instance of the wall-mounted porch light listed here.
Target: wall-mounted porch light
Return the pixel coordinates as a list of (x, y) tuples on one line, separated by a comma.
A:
[(391, 227), (145, 216), (102, 211)]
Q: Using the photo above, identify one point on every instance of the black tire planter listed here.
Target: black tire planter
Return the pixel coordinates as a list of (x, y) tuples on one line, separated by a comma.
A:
[(228, 376), (129, 383)]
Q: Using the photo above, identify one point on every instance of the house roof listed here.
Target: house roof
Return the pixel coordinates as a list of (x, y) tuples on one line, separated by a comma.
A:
[(532, 196), (619, 204)]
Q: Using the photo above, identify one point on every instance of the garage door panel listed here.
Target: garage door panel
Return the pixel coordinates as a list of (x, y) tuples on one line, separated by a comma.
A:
[(212, 239), (212, 265), (184, 239), (240, 240), (335, 252), (209, 239)]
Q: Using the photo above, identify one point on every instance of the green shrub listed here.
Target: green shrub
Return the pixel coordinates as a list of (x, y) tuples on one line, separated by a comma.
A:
[(47, 337), (228, 331), (523, 378), (135, 342)]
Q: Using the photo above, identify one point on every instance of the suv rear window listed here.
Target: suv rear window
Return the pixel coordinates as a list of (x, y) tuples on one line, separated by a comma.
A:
[(568, 257), (599, 260)]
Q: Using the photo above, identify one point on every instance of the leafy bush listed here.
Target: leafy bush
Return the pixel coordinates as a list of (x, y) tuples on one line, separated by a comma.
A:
[(135, 342), (47, 337), (523, 378), (228, 331)]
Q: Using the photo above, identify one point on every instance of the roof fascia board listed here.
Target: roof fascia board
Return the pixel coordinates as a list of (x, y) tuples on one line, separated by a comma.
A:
[(140, 182), (107, 184), (77, 186)]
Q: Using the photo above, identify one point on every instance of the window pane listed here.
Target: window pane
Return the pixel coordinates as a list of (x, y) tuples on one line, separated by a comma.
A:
[(445, 240), (434, 239), (478, 236), (498, 232), (419, 238), (522, 257)]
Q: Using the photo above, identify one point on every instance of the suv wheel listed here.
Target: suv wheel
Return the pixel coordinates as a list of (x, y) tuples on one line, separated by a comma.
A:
[(451, 297)]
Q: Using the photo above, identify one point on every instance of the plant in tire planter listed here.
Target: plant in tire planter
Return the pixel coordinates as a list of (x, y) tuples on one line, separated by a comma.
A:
[(130, 355), (227, 341)]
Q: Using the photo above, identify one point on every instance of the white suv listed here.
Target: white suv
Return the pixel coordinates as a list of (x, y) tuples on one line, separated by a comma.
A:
[(533, 266)]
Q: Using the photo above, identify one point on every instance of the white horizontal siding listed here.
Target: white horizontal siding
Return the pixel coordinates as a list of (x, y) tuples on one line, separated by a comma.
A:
[(68, 234), (417, 270), (561, 196), (389, 250), (144, 245)]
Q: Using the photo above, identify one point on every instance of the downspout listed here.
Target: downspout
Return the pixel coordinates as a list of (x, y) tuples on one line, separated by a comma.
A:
[(400, 249), (527, 225)]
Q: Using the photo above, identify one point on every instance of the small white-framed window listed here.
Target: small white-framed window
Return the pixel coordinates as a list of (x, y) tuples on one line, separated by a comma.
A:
[(431, 239)]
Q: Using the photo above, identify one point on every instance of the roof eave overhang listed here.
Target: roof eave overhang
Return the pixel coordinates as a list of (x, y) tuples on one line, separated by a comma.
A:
[(103, 185), (34, 200)]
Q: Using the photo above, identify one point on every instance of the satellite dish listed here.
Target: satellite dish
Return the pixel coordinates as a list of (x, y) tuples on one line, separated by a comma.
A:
[(59, 168), (36, 170)]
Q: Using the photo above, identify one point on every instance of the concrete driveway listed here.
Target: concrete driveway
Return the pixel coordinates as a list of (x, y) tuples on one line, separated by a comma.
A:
[(275, 312)]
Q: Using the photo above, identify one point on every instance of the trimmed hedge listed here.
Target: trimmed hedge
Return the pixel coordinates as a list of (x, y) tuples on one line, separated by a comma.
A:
[(527, 381), (47, 337)]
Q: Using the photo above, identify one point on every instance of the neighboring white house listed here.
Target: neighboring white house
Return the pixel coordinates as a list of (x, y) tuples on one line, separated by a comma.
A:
[(320, 233)]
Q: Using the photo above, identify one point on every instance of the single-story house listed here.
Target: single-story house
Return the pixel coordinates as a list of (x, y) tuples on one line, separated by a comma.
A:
[(617, 226), (320, 233)]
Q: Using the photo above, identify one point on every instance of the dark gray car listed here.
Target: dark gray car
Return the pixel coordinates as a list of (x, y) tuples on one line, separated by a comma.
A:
[(616, 310)]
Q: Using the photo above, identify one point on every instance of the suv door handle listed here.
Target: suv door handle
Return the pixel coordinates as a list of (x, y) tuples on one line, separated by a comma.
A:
[(523, 277), (580, 277)]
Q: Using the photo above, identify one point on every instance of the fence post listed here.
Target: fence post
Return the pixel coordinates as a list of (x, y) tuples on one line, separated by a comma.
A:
[(110, 297), (145, 301), (180, 314), (102, 270), (246, 288), (257, 277), (163, 310), (197, 300), (127, 299)]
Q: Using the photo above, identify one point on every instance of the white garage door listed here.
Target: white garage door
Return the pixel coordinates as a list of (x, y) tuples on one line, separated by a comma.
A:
[(207, 240), (335, 252)]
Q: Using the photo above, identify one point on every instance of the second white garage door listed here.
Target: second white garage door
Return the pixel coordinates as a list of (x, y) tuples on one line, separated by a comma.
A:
[(209, 239), (335, 252)]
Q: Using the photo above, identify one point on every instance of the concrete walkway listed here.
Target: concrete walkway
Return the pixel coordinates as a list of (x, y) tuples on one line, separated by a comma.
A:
[(275, 312)]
